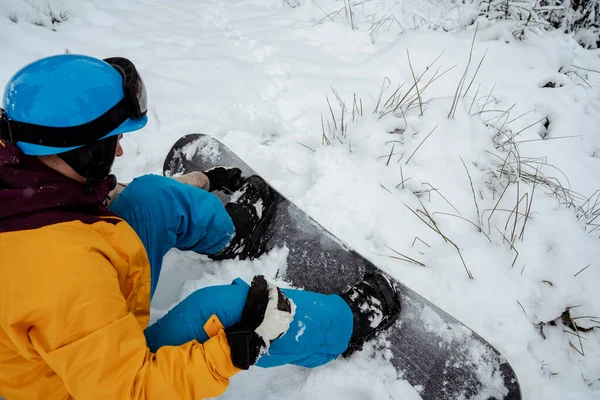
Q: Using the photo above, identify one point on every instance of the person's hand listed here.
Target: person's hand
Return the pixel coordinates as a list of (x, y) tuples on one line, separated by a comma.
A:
[(267, 315), (194, 178), (224, 178)]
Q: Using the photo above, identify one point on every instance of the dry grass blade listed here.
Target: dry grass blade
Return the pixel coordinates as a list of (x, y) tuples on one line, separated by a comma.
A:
[(391, 152), (391, 101), (582, 352), (334, 13), (381, 91), (590, 317), (529, 204), (527, 127), (405, 257), (415, 80), (504, 210), (461, 82), (409, 100), (420, 144), (466, 220), (436, 77), (292, 3), (324, 137), (357, 109), (522, 115), (583, 79), (303, 145), (378, 24), (401, 177), (343, 126), (433, 226), (592, 212), (512, 248), (487, 100), (584, 268), (586, 69), (572, 333), (474, 97), (576, 349), (544, 139), (502, 114), (394, 103), (441, 195), (338, 98), (476, 71), (332, 115), (351, 15), (589, 199), (420, 240), (494, 209), (473, 191), (425, 222), (522, 308), (515, 211)]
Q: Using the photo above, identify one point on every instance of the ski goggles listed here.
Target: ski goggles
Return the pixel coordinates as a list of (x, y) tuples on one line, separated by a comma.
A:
[(134, 105), (133, 85)]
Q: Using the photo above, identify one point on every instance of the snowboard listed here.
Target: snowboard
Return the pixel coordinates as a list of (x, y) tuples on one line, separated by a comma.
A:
[(437, 354)]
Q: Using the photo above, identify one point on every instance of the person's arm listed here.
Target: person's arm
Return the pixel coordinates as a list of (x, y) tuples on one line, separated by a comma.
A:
[(218, 178), (196, 178), (85, 333)]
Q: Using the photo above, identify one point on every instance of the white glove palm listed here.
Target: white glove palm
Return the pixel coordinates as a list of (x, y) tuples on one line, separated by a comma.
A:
[(266, 316)]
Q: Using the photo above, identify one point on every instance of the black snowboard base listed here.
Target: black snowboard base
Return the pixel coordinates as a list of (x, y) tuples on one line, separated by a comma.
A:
[(435, 352)]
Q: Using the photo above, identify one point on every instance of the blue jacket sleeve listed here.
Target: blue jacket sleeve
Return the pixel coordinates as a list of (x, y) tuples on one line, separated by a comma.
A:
[(166, 213)]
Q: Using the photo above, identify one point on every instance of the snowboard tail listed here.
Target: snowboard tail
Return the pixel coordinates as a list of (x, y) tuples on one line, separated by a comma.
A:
[(431, 349)]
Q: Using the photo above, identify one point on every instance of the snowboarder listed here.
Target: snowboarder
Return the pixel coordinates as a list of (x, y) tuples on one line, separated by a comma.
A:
[(80, 256)]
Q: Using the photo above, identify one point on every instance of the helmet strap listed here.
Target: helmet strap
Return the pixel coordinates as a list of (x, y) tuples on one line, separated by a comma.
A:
[(93, 161)]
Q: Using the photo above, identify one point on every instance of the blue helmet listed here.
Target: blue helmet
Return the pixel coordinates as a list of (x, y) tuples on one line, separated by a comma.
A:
[(61, 103)]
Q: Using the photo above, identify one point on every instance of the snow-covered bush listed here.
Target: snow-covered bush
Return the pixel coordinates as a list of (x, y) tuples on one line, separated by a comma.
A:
[(46, 13), (580, 17), (521, 10)]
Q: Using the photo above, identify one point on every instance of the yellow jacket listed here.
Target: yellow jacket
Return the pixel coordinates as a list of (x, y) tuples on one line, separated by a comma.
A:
[(74, 302)]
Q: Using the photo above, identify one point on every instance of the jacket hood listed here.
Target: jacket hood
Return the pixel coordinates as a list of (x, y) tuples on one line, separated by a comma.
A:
[(33, 195)]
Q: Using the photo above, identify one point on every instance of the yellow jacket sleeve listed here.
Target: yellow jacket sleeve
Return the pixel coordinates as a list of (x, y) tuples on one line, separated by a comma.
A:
[(82, 329)]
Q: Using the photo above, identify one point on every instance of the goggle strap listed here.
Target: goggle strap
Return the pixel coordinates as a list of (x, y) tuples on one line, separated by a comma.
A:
[(5, 129), (14, 131)]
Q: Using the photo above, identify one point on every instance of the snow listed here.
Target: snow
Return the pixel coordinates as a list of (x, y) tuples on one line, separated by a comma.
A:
[(300, 331), (254, 74)]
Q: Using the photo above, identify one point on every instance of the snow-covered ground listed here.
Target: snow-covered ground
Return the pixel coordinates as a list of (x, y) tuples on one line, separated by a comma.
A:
[(258, 75)]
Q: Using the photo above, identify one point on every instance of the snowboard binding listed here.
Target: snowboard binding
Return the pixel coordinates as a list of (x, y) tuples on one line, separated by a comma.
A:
[(251, 209), (375, 305)]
